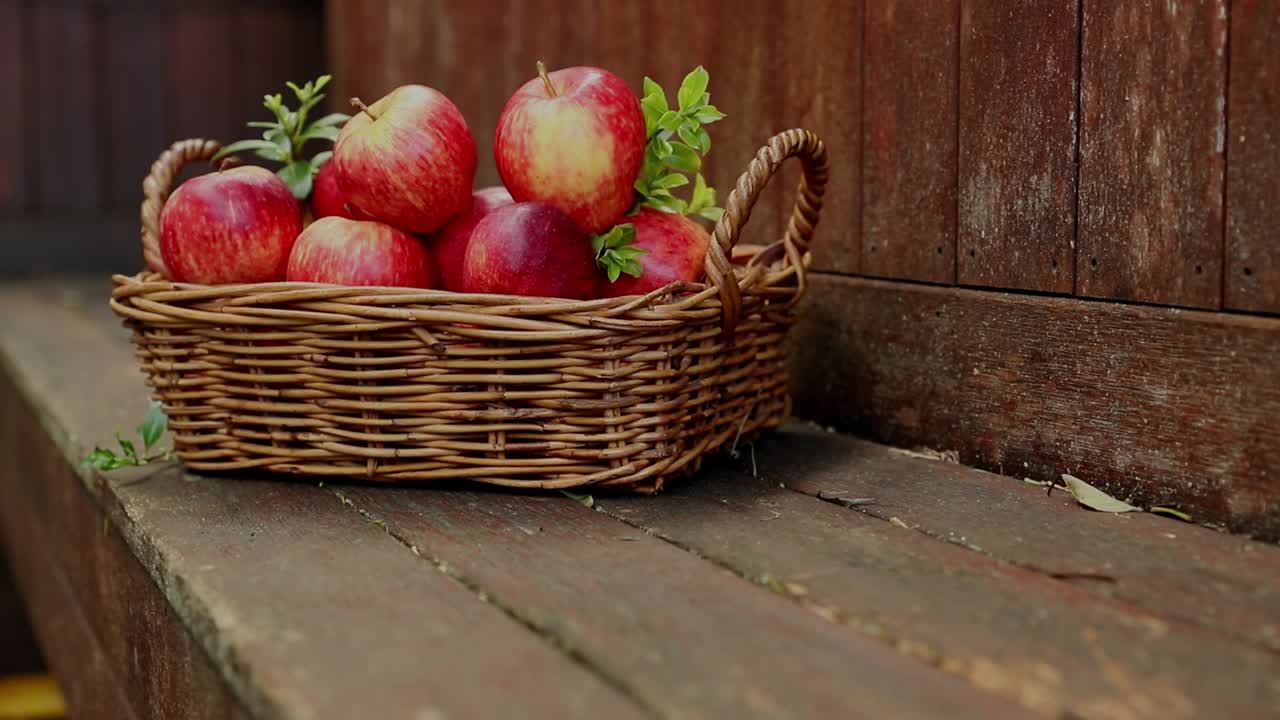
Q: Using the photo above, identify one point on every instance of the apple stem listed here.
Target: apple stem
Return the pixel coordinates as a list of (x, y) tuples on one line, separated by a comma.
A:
[(357, 102), (546, 79)]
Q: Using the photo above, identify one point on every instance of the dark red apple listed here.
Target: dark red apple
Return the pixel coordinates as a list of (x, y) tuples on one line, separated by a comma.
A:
[(449, 244), (530, 249), (230, 226), (677, 250), (359, 252), (575, 139), (327, 199), (407, 159)]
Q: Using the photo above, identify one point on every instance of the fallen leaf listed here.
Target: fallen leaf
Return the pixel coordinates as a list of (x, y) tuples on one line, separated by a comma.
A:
[(585, 500), (1159, 510), (1093, 498), (898, 521)]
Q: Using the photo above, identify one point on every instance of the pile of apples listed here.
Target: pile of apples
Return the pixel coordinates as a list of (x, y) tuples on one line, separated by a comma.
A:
[(585, 211)]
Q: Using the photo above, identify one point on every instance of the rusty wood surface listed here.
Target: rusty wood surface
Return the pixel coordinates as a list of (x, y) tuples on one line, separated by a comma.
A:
[(909, 140), (1152, 141), (1018, 631), (1168, 407), (137, 122), (201, 53), (114, 642), (1017, 167), (21, 652), (690, 639), (13, 125), (305, 608), (1194, 575), (65, 44), (1252, 271)]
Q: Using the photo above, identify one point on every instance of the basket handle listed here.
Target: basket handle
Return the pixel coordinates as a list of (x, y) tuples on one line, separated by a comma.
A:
[(157, 186), (812, 153)]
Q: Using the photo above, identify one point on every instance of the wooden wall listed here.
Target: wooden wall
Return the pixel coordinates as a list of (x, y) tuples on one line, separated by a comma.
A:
[(100, 87), (988, 155), (1074, 147)]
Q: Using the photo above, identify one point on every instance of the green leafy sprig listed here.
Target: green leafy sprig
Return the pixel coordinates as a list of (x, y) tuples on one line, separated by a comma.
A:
[(284, 138), (615, 254), (677, 143), (152, 428)]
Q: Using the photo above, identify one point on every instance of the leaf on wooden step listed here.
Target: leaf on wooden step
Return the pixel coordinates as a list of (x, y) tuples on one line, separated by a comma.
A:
[(585, 500), (1158, 510), (1093, 498)]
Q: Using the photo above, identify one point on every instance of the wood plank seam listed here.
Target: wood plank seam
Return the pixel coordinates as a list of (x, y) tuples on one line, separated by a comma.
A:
[(908, 647), (1226, 157), (545, 634), (1069, 578)]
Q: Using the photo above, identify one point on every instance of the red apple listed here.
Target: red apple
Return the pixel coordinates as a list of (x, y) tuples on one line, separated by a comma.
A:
[(449, 245), (407, 159), (575, 139), (531, 249), (231, 226), (359, 252), (327, 198), (677, 250)]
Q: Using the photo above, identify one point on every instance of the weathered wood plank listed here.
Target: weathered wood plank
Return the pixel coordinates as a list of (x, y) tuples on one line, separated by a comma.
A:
[(1015, 631), (1171, 407), (22, 654), (249, 566), (200, 70), (1180, 571), (1151, 152), (138, 122), (13, 132), (116, 645), (1017, 166), (1253, 185), (65, 105), (909, 140), (273, 45), (819, 90), (691, 640)]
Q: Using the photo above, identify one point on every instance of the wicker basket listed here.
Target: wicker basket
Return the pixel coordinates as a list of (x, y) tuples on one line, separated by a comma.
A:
[(393, 384)]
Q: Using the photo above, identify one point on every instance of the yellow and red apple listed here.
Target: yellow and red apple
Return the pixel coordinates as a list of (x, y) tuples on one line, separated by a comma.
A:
[(230, 226), (675, 250), (574, 139), (340, 251), (408, 159)]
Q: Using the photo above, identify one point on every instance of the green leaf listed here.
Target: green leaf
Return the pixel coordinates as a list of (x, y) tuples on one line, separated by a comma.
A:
[(153, 426), (615, 253), (586, 500), (323, 133), (703, 196), (682, 158), (102, 459), (241, 145), (298, 176), (670, 120), (130, 451), (672, 180), (1093, 498), (331, 120), (712, 213), (665, 203), (262, 124), (694, 85), (319, 159), (708, 114), (1158, 510), (662, 148), (703, 144)]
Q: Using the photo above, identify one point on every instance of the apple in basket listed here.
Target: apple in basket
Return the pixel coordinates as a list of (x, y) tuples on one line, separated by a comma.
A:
[(573, 138), (230, 226), (407, 160), (327, 198), (359, 252), (530, 248), (675, 249), (449, 244)]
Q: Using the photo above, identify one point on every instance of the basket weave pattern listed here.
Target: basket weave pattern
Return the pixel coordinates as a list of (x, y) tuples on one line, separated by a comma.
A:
[(399, 384)]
